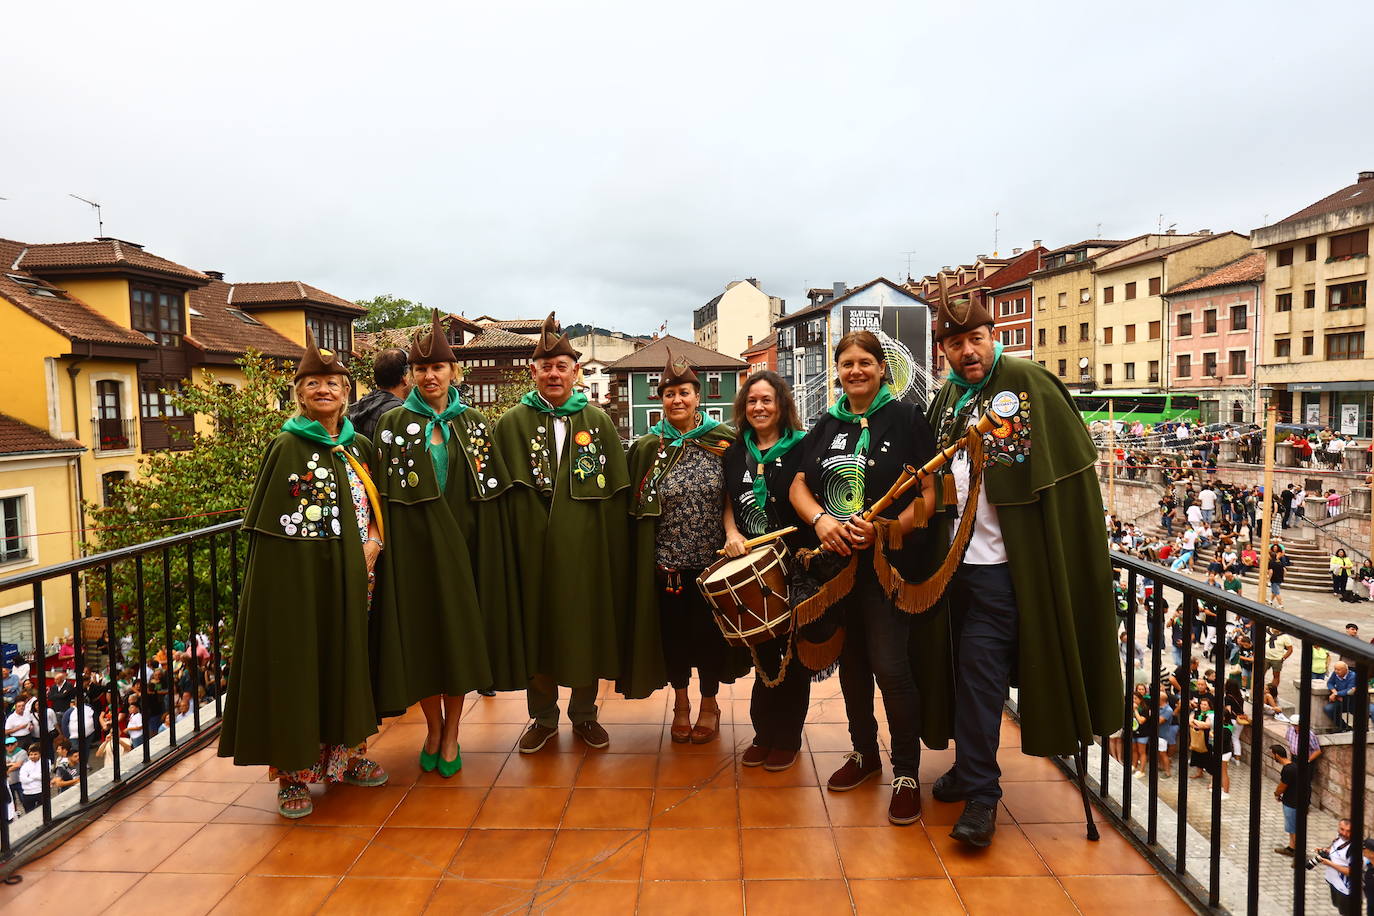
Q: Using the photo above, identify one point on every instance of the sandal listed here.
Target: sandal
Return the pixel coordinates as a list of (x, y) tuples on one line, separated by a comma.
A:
[(294, 792), (681, 732), (360, 765), (701, 734)]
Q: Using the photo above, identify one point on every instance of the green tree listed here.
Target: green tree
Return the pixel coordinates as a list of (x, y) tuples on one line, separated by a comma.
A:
[(386, 311)]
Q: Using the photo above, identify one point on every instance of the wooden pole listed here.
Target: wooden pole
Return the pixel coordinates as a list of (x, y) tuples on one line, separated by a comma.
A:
[(1111, 455), (1267, 499)]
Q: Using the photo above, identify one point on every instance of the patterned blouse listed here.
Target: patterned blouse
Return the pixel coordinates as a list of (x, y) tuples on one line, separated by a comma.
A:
[(691, 526)]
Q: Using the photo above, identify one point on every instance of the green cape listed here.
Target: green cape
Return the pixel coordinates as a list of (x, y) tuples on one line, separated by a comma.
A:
[(443, 621), (301, 673), (570, 549), (650, 460), (1042, 477)]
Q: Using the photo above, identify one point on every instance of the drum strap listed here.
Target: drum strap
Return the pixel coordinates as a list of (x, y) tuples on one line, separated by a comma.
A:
[(782, 669)]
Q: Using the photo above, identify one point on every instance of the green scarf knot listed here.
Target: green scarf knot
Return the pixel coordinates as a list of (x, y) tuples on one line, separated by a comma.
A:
[(775, 451), (672, 436), (972, 388), (438, 451), (840, 411), (310, 429), (572, 405)]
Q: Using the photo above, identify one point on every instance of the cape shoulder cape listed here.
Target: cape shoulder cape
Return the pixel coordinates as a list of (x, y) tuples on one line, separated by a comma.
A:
[(651, 459), (404, 457), (1041, 475), (300, 485), (592, 449)]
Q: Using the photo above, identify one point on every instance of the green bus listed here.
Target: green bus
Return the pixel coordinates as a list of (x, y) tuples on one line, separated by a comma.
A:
[(1148, 407)]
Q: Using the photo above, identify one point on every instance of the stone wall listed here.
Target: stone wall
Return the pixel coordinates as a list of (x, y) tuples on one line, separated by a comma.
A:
[(1331, 789)]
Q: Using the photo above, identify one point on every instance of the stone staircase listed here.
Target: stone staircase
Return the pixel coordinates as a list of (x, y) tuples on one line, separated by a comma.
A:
[(1310, 571)]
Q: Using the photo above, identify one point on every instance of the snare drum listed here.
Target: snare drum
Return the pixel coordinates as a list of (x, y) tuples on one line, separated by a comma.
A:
[(748, 595)]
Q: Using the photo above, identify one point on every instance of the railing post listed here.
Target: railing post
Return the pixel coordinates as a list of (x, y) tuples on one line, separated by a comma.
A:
[(1304, 773), (112, 650), (192, 655), (1185, 696), (78, 675), (1358, 761), (41, 701), (142, 661), (167, 648)]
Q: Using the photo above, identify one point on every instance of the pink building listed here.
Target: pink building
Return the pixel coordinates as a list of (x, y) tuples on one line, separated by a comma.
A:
[(1212, 342)]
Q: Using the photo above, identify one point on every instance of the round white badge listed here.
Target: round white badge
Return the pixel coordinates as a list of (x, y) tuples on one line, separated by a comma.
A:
[(413, 428), (1005, 404)]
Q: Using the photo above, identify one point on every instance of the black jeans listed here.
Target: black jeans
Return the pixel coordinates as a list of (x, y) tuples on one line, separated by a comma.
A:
[(875, 648), (985, 621), (778, 713)]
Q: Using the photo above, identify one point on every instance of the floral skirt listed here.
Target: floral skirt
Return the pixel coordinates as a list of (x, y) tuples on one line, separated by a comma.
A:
[(334, 760)]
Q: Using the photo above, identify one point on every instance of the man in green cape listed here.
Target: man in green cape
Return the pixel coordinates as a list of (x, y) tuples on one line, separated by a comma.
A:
[(1031, 600), (566, 508)]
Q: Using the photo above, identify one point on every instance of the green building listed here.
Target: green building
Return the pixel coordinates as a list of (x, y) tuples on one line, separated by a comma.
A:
[(634, 383)]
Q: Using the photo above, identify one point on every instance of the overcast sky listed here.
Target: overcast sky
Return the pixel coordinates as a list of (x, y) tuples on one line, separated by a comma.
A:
[(621, 162)]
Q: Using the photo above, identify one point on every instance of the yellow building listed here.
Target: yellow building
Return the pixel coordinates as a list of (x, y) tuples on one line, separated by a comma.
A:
[(1062, 293), (1130, 308), (1316, 289), (96, 332)]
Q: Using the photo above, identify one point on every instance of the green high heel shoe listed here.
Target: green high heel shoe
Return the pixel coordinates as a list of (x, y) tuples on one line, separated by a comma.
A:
[(448, 767), (428, 761)]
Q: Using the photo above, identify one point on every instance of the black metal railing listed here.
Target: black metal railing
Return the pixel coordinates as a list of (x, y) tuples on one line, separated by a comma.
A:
[(1191, 854), (180, 590)]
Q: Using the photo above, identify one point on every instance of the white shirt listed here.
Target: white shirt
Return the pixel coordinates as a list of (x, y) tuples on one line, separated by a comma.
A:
[(560, 436), (985, 547), (1340, 854), (1189, 539), (16, 719), (135, 725), (1208, 498), (87, 714), (1194, 515), (31, 777)]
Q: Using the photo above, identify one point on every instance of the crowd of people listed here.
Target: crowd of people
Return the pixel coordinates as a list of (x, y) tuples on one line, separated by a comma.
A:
[(1186, 445)]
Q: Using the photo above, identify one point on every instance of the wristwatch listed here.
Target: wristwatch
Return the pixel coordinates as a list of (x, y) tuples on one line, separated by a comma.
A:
[(379, 544), (816, 518)]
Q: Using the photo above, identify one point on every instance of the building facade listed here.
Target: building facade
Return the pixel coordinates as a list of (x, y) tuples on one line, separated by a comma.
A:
[(1317, 275), (1211, 336), (744, 310), (1062, 290), (762, 355), (635, 405)]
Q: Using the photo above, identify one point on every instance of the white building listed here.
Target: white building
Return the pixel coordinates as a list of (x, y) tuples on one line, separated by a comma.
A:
[(726, 323)]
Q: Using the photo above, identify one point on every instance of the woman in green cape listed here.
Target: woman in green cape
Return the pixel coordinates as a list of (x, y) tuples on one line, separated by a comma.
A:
[(442, 622), (679, 503), (299, 697)]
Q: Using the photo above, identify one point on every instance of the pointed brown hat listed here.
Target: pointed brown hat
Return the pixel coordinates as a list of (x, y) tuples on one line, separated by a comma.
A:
[(553, 342), (960, 317), (677, 372), (317, 361), (431, 346)]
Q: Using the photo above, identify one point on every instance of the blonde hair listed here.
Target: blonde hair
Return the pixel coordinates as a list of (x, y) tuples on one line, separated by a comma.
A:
[(300, 401)]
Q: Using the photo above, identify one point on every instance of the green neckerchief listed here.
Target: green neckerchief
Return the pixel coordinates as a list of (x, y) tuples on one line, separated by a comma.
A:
[(972, 388), (438, 451), (572, 405), (672, 436), (312, 430), (777, 450), (840, 411)]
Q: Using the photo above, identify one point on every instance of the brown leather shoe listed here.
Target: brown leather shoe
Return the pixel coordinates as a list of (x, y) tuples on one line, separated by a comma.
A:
[(857, 769), (535, 737), (779, 760), (756, 756), (905, 807), (592, 733)]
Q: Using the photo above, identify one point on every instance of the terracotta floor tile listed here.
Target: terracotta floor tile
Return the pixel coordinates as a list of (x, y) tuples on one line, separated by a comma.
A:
[(225, 849), (258, 894), (518, 854), (127, 806), (796, 898), (193, 895), (56, 891), (479, 769), (934, 764), (426, 807), (379, 896), (487, 737), (865, 806), (131, 847), (462, 898), (182, 809), (596, 807), (618, 771), (933, 896), (222, 769), (594, 898), (695, 770), (408, 852), (401, 762), (999, 896), (314, 850), (635, 739), (829, 737), (691, 898), (800, 773), (789, 852), (887, 852), (1102, 895), (1067, 851), (827, 762), (630, 712), (595, 855), (695, 854), (1011, 733), (342, 805), (498, 709), (675, 808), (1017, 767), (800, 806), (256, 803), (1010, 855), (723, 743), (208, 792), (522, 808), (826, 709), (1055, 802), (540, 770)]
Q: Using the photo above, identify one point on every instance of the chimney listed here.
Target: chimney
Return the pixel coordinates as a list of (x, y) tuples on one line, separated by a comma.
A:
[(1365, 176), (748, 341), (1035, 243), (1171, 232), (1015, 252), (839, 289), (214, 274), (1203, 232), (755, 281)]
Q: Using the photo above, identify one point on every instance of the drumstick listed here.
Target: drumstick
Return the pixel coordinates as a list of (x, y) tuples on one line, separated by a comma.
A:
[(764, 538), (909, 476)]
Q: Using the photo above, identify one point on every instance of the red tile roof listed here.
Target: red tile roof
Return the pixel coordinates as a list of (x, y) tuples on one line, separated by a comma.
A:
[(1016, 270), (288, 292), (218, 330), (515, 325), (495, 338), (655, 356), (1159, 254), (1353, 195), (1246, 269), (762, 346), (74, 320), (18, 437), (100, 253)]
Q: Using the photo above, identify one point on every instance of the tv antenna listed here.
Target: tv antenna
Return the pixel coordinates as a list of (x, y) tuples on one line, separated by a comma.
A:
[(99, 220), (996, 230), (908, 262)]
